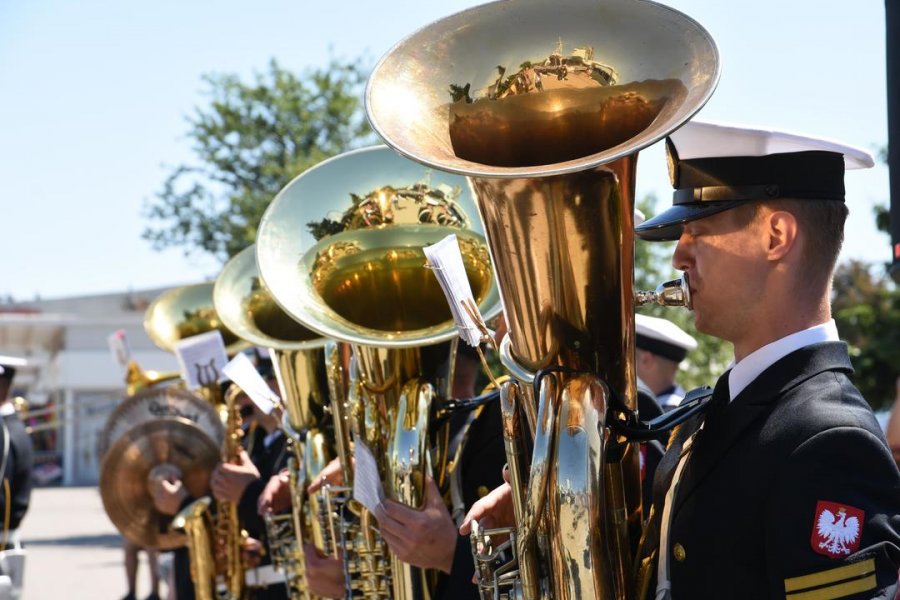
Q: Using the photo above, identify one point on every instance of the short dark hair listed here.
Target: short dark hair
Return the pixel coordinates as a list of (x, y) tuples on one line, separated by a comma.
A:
[(822, 225)]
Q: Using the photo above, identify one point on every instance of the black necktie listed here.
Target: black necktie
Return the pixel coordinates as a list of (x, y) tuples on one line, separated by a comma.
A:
[(720, 399)]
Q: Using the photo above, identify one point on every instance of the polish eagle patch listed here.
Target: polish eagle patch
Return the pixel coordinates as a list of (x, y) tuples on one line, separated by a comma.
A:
[(837, 529)]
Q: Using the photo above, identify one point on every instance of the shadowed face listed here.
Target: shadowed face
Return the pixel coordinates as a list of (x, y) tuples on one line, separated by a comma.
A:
[(724, 257)]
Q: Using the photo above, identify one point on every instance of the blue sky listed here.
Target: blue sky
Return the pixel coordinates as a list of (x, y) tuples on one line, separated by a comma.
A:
[(93, 99)]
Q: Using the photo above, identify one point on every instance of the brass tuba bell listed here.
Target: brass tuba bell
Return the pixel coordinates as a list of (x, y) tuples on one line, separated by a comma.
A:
[(247, 308), (340, 248), (183, 312), (544, 107)]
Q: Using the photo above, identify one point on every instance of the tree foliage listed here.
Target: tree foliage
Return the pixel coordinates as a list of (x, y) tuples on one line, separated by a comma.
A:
[(652, 266), (249, 142), (866, 307)]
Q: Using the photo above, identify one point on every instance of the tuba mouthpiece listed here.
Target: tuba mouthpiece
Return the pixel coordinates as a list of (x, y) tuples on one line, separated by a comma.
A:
[(676, 292)]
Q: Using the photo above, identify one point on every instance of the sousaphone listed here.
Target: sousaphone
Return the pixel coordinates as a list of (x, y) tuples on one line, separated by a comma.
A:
[(341, 250), (544, 106)]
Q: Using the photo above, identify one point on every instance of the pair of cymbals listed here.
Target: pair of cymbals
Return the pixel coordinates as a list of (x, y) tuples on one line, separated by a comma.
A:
[(163, 433)]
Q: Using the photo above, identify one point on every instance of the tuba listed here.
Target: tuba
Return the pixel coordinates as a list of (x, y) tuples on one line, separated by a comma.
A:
[(340, 248), (246, 307), (544, 106), (174, 315)]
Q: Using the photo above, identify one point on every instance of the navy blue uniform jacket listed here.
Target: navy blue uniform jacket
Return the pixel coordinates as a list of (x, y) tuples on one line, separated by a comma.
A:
[(749, 519)]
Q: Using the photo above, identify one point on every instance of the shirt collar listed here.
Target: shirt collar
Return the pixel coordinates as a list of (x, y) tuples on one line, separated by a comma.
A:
[(7, 409), (746, 371)]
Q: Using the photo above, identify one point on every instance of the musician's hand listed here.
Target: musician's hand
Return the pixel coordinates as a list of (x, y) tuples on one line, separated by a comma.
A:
[(331, 474), (494, 510), (276, 496), (424, 538), (324, 575), (252, 552), (168, 495), (229, 480)]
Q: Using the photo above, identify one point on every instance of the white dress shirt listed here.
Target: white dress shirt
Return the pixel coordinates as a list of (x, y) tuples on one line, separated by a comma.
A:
[(752, 365)]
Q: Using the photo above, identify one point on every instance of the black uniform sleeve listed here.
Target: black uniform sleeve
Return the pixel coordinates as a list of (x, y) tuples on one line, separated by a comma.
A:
[(247, 511), (832, 520)]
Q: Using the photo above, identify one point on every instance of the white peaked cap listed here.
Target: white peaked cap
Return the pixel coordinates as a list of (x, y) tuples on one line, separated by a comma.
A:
[(698, 139), (663, 337)]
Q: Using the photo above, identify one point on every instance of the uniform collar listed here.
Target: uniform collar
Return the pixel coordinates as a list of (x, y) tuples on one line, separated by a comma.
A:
[(7, 409), (746, 371)]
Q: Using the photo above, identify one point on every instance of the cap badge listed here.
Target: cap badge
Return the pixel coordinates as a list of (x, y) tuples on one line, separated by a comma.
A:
[(837, 529)]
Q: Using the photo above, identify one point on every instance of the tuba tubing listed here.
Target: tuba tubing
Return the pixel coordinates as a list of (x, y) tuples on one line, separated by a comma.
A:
[(549, 142)]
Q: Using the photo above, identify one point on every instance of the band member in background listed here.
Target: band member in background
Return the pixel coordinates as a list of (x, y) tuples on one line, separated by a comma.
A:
[(427, 538), (661, 346), (265, 455), (786, 488), (16, 463)]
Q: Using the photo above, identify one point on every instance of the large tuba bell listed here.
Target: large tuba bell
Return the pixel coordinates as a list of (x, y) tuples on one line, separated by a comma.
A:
[(340, 248), (246, 307), (544, 107)]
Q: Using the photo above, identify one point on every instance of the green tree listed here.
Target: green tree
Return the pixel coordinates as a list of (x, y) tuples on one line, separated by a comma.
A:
[(250, 141), (866, 308), (652, 266)]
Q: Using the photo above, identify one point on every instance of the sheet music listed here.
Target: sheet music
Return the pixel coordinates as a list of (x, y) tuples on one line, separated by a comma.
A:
[(446, 263), (241, 371), (202, 358), (118, 346), (367, 489)]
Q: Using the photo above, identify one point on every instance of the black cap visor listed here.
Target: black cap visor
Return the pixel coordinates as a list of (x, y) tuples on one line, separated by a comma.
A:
[(667, 226)]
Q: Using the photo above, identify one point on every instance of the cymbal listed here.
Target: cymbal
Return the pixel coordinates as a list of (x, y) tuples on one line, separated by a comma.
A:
[(145, 452), (161, 403)]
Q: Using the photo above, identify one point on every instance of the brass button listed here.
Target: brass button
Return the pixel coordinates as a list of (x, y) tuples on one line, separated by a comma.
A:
[(483, 491), (679, 553)]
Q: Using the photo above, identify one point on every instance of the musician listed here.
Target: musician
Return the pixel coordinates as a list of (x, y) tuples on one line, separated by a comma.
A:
[(661, 346), (19, 458), (16, 452), (429, 538), (264, 455), (787, 487)]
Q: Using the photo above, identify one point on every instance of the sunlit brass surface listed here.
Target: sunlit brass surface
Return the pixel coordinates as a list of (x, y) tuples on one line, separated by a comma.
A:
[(195, 522), (367, 285), (137, 379), (247, 308), (184, 312), (228, 534), (341, 250), (544, 106), (148, 450), (161, 403)]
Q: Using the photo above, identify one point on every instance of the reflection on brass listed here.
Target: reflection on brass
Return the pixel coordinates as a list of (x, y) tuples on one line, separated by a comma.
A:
[(341, 250), (556, 125), (549, 144), (195, 521), (248, 309), (414, 204), (184, 312), (148, 450), (161, 403)]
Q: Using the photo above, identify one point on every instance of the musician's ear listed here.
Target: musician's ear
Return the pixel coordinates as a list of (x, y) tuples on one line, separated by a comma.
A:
[(780, 229)]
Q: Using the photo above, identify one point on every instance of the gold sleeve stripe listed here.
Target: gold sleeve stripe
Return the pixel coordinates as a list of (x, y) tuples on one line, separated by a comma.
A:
[(863, 567), (840, 590)]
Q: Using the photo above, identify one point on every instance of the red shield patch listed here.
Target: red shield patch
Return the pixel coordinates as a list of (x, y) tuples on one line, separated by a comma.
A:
[(837, 529)]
